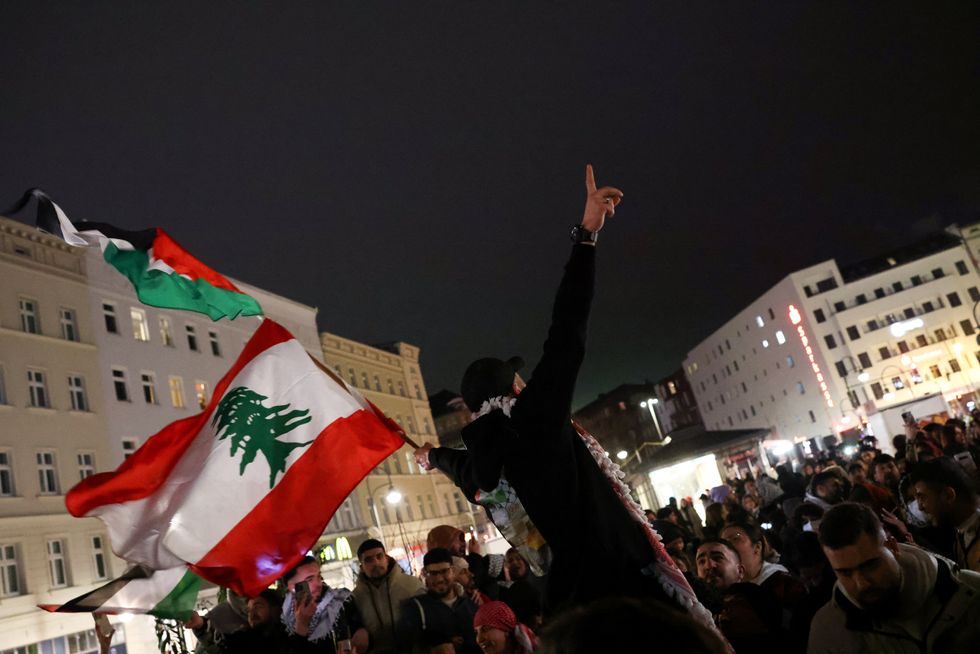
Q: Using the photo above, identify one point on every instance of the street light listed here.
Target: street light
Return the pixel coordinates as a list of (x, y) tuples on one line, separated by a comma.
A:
[(650, 404), (622, 454), (392, 497)]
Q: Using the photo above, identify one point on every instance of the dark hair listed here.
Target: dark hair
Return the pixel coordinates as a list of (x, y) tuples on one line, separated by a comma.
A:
[(753, 533), (306, 560), (823, 477), (932, 427), (624, 625), (884, 458), (944, 471), (843, 524), (437, 555), (665, 513), (808, 510), (271, 596), (856, 466), (719, 541), (369, 544)]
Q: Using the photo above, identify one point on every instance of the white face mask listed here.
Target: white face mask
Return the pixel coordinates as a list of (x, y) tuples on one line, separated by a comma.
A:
[(813, 526)]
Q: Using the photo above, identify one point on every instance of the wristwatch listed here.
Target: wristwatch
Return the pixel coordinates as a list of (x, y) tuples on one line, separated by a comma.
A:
[(581, 235)]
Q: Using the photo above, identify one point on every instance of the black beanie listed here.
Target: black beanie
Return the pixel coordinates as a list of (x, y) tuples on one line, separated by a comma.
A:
[(487, 378), (369, 544)]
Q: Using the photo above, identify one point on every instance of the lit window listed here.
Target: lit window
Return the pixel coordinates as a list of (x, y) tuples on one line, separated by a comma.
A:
[(69, 328), (215, 345), (119, 385), (98, 558), (801, 388), (9, 571), (149, 384), (30, 322), (76, 392), (765, 343), (47, 473), (759, 321), (86, 464), (141, 330), (177, 392), (109, 313), (780, 338), (201, 390), (166, 332), (38, 388), (6, 474), (57, 567), (790, 362)]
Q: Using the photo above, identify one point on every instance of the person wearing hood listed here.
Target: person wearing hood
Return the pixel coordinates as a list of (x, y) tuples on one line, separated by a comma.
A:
[(891, 597), (381, 590), (524, 433), (220, 622)]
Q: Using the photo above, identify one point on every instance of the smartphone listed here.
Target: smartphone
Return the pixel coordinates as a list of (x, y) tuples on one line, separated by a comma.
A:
[(302, 588), (907, 418), (965, 459)]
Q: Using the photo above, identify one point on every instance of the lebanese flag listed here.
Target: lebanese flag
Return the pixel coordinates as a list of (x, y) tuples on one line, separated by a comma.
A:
[(242, 491), (168, 594), (163, 273)]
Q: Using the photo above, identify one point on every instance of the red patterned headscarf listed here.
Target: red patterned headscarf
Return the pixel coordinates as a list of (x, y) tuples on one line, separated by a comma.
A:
[(499, 616)]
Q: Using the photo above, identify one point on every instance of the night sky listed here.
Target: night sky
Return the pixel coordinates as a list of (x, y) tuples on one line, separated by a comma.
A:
[(413, 169)]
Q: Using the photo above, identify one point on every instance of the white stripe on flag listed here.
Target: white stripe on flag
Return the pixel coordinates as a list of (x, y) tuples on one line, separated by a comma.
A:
[(205, 496), (145, 594), (88, 237)]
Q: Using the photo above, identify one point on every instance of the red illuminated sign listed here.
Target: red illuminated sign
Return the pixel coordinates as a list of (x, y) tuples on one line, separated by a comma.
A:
[(797, 319)]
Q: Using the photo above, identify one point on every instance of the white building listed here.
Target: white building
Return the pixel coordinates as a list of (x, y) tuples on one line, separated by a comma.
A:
[(828, 348)]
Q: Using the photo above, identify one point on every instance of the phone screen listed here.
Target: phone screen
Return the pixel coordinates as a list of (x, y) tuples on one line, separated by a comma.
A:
[(302, 588)]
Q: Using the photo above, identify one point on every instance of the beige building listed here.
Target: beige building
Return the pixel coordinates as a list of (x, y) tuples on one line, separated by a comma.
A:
[(52, 434), (390, 377)]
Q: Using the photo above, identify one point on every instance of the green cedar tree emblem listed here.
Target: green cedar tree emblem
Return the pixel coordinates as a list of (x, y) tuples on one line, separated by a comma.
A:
[(255, 428)]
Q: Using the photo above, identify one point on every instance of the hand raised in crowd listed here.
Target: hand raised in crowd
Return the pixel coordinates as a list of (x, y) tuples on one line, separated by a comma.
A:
[(422, 456), (895, 521), (195, 621), (304, 610), (599, 203)]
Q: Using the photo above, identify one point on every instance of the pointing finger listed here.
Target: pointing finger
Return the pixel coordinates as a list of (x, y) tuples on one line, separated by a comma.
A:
[(589, 179)]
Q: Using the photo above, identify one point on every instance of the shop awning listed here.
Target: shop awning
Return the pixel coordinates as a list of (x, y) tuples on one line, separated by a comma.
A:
[(692, 442)]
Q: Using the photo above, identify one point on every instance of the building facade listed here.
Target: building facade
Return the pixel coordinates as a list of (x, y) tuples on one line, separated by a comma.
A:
[(830, 349), (677, 406)]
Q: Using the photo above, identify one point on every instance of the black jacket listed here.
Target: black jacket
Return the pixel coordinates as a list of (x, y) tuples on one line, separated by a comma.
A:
[(426, 621), (598, 549)]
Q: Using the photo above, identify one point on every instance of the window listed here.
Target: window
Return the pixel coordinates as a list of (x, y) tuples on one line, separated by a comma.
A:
[(879, 293), (790, 363), (853, 397), (177, 392), (877, 390), (829, 340), (897, 286), (47, 473), (353, 377), (141, 329), (57, 567), (109, 313), (954, 365), (201, 390), (920, 340), (69, 327), (961, 268), (98, 558), (974, 294), (191, 338), (935, 372), (391, 387), (759, 321), (909, 313), (884, 353), (965, 325), (839, 306), (364, 381), (927, 307), (418, 392), (401, 388), (377, 383), (765, 343), (166, 332), (6, 474), (937, 273), (9, 571), (421, 507), (818, 315), (149, 384), (432, 506), (119, 385), (813, 418), (872, 325), (864, 360), (780, 337), (30, 322), (215, 345), (903, 347), (916, 280), (801, 388), (460, 508), (841, 369), (86, 464), (897, 383), (38, 388), (862, 299), (954, 299), (853, 333), (752, 409), (129, 446), (76, 392)]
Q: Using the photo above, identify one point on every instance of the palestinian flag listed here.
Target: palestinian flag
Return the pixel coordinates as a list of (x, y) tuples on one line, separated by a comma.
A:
[(162, 593), (242, 491), (163, 273)]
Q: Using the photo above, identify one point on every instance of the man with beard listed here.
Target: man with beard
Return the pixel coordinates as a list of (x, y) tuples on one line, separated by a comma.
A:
[(947, 495), (891, 597), (265, 633), (441, 617), (827, 488), (381, 589)]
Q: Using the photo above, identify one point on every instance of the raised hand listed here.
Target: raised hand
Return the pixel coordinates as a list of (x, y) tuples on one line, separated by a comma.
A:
[(600, 203), (422, 456)]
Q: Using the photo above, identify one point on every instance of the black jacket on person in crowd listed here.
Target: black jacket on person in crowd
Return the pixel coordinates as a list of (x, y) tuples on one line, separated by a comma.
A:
[(562, 488), (427, 622)]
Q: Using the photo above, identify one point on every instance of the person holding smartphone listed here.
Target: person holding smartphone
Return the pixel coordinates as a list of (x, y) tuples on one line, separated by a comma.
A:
[(319, 618)]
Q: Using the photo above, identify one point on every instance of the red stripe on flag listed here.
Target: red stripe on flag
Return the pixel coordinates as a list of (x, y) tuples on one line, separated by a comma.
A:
[(184, 263), (145, 471), (286, 524)]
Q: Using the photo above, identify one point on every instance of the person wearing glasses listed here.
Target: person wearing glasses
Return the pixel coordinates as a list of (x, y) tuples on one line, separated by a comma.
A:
[(443, 616)]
